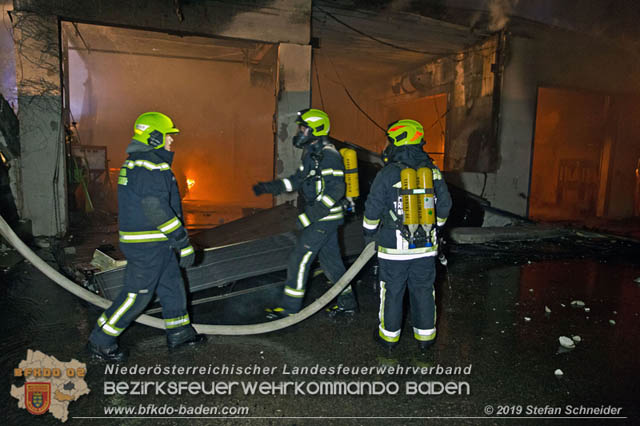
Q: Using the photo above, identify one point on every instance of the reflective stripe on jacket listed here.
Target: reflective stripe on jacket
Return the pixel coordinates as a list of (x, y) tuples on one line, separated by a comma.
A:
[(383, 197), (149, 206), (320, 180)]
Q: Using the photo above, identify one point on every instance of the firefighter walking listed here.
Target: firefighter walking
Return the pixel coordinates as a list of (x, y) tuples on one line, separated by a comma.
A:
[(407, 205), (320, 180), (152, 238)]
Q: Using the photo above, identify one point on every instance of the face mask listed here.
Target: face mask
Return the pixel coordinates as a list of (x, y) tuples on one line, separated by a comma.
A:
[(387, 153), (303, 137), (156, 139)]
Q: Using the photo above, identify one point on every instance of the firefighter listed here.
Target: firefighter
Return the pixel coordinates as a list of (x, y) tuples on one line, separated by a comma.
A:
[(406, 255), (320, 180), (152, 238)]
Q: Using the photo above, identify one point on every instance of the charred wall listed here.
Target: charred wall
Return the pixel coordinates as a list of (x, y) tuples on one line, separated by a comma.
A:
[(468, 79)]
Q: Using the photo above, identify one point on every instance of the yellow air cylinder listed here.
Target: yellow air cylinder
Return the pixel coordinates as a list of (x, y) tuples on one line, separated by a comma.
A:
[(350, 159), (427, 200), (409, 201)]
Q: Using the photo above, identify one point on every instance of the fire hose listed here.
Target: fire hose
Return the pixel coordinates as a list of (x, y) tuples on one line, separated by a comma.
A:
[(230, 330)]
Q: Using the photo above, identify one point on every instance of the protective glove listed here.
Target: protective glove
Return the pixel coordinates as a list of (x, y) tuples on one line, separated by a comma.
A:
[(316, 211), (185, 251), (369, 236), (274, 187), (439, 231)]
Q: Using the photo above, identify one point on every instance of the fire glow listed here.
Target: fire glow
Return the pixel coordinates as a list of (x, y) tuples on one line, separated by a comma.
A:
[(190, 183)]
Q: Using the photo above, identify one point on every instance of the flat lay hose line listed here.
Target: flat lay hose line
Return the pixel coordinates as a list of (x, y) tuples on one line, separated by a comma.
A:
[(228, 330)]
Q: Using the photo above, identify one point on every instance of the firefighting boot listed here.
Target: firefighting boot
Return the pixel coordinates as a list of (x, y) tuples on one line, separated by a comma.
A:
[(424, 346), (184, 336), (111, 353), (276, 313), (346, 306), (388, 346)]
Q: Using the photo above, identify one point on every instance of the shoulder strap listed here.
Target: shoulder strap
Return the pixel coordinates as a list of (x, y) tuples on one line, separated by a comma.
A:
[(331, 147)]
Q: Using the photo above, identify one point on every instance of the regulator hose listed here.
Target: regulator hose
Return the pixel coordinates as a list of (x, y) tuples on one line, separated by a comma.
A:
[(228, 330)]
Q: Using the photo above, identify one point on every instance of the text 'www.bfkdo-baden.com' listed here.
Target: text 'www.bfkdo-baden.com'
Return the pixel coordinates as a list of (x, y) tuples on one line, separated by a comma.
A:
[(169, 410)]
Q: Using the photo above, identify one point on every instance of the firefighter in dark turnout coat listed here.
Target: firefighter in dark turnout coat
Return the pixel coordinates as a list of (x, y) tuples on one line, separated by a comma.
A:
[(403, 264), (152, 238), (320, 180)]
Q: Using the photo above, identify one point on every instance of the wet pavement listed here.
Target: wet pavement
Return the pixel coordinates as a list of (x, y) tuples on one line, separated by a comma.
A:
[(501, 310)]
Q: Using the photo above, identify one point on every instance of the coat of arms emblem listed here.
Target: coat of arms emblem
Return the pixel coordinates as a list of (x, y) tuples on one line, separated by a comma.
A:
[(37, 397)]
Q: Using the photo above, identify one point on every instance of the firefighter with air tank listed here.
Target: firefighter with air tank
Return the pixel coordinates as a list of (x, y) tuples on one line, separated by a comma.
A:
[(407, 205), (321, 181)]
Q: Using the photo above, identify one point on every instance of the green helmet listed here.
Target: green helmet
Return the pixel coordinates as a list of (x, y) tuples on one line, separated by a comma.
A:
[(151, 127), (315, 119), (405, 132)]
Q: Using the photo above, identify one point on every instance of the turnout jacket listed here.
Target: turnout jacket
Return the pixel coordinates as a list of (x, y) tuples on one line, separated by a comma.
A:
[(149, 206), (320, 180), (385, 196)]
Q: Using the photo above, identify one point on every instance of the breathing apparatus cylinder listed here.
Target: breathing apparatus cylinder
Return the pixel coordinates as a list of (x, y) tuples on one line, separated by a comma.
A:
[(408, 179), (426, 202), (350, 159)]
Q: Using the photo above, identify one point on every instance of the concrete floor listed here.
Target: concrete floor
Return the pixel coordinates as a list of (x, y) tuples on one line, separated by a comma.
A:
[(483, 300)]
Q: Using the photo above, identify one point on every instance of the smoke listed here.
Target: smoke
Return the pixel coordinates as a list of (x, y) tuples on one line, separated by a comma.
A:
[(499, 11)]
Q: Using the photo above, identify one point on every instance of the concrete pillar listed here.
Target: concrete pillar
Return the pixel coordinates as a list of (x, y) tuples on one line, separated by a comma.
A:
[(42, 151), (294, 94)]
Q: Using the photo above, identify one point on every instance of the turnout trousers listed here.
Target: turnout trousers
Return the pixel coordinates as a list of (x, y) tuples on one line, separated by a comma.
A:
[(395, 276), (150, 267), (320, 239)]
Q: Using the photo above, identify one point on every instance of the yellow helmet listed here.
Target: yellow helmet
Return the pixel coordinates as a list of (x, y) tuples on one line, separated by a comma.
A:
[(405, 132), (317, 124), (151, 127), (315, 119)]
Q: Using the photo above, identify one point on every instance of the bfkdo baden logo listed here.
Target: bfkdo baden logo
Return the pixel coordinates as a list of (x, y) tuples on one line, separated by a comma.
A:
[(37, 397), (49, 385)]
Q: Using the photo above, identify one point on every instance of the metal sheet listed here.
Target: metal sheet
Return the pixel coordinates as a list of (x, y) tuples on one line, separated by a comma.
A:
[(236, 261)]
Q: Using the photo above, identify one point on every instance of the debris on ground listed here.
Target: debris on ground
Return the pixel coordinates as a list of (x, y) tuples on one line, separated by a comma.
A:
[(567, 342), (577, 304)]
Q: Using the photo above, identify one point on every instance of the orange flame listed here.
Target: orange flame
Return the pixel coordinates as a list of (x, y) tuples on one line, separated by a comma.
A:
[(190, 183)]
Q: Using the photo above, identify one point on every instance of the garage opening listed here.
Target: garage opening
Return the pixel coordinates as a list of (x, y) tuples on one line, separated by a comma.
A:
[(569, 138), (585, 156), (219, 93)]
